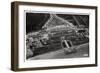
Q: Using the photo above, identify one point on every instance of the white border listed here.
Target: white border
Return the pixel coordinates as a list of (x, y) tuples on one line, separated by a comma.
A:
[(56, 62)]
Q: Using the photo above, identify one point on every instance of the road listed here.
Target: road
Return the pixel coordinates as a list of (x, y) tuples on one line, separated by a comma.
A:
[(82, 51)]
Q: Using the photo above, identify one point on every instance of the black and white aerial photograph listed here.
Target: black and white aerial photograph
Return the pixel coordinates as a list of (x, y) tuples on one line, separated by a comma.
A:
[(56, 36)]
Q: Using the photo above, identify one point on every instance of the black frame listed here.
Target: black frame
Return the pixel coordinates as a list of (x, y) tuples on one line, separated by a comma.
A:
[(14, 35)]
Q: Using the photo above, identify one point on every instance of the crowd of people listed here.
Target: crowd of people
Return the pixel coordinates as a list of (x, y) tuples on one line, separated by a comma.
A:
[(33, 43)]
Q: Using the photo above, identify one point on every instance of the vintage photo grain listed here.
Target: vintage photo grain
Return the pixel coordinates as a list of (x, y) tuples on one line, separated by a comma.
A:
[(56, 36), (52, 36)]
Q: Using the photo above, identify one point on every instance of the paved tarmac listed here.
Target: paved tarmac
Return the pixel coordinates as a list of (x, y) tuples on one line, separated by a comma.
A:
[(82, 51)]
